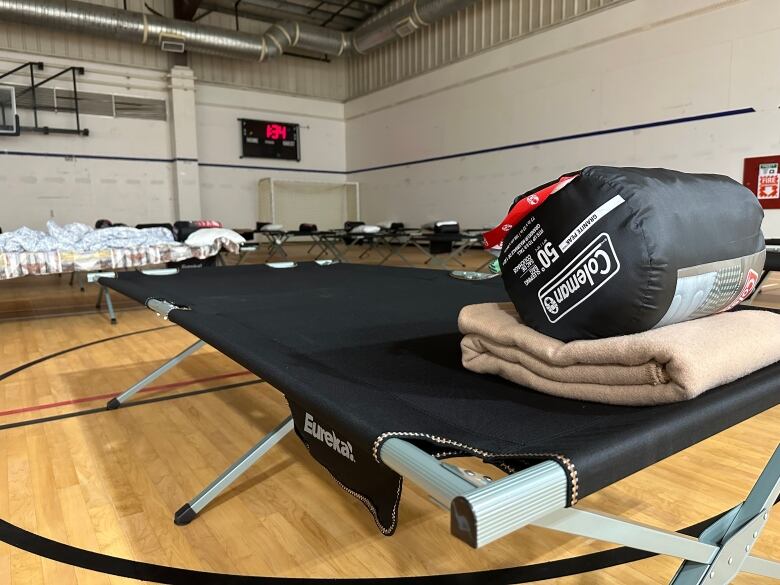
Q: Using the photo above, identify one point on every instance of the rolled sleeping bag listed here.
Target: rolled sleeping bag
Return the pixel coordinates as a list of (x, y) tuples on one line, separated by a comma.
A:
[(365, 229), (350, 227), (184, 229), (307, 228), (271, 227), (392, 226), (609, 251)]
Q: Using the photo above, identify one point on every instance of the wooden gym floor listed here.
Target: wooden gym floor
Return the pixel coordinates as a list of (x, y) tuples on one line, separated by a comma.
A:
[(109, 482)]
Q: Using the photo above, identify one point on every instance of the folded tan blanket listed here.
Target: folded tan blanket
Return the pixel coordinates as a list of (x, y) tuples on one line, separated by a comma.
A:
[(668, 364)]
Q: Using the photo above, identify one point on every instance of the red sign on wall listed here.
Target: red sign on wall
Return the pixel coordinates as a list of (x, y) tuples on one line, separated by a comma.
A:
[(767, 181), (761, 175)]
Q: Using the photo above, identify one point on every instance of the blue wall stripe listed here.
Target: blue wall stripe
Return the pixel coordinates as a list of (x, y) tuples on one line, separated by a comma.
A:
[(95, 156), (591, 134), (262, 168)]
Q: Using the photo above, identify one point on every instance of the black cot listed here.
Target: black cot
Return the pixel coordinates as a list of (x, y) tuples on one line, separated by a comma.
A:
[(369, 360)]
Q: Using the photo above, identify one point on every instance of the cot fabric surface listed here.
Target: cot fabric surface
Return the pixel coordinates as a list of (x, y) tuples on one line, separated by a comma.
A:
[(374, 352)]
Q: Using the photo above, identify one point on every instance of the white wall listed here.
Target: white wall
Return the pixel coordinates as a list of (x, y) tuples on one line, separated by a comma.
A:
[(228, 183), (62, 182), (55, 176), (638, 62)]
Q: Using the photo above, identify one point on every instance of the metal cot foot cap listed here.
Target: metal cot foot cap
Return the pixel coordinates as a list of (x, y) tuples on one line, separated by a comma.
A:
[(184, 515), (113, 404)]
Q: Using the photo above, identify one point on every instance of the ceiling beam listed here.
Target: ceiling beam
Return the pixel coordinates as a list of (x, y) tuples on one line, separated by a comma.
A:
[(185, 9), (274, 14), (295, 8)]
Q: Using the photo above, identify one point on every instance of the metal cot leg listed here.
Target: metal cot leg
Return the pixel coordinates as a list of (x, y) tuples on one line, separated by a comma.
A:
[(401, 242), (109, 304), (537, 496), (735, 535), (118, 401), (190, 510), (276, 244)]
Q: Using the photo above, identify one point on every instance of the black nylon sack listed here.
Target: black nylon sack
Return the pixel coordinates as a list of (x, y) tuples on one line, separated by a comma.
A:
[(623, 250)]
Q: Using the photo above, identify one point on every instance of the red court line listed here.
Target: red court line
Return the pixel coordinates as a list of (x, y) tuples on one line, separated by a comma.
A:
[(112, 394)]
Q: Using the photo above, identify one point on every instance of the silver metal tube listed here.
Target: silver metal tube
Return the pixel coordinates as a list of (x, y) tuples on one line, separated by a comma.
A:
[(188, 512), (481, 515), (117, 401), (150, 29), (322, 40), (512, 502), (126, 25), (424, 470), (609, 528), (399, 19), (759, 566)]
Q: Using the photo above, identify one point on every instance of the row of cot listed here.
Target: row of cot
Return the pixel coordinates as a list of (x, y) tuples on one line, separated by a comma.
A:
[(441, 242)]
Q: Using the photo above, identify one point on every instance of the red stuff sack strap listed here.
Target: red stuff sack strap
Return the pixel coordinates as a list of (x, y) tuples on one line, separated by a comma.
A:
[(495, 237)]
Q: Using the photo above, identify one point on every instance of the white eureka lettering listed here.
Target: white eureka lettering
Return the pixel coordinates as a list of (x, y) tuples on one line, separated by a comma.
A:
[(341, 447)]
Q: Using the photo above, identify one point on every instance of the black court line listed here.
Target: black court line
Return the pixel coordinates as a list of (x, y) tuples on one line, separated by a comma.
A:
[(38, 545), (84, 412), (66, 312), (42, 359), (76, 557)]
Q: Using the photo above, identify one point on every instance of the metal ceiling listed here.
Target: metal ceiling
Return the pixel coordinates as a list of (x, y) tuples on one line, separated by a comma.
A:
[(340, 15)]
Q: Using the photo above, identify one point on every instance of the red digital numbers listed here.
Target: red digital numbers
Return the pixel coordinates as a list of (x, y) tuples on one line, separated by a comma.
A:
[(276, 131)]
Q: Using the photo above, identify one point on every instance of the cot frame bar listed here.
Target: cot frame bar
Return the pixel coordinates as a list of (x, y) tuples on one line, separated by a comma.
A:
[(276, 242), (191, 509), (322, 240), (123, 397), (105, 293), (396, 244), (535, 496)]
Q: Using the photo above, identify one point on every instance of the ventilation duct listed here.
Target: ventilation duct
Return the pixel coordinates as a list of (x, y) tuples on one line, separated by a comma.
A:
[(397, 20), (400, 19)]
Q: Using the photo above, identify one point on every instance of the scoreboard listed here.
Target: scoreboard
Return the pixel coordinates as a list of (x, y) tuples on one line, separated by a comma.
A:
[(261, 139)]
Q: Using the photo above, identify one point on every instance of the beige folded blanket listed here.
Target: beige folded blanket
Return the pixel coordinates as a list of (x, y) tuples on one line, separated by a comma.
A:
[(668, 364)]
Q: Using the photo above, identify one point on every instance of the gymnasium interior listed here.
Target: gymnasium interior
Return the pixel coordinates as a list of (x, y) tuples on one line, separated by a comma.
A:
[(470, 292)]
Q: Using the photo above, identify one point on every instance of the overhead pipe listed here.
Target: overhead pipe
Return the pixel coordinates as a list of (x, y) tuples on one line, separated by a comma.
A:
[(399, 19)]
